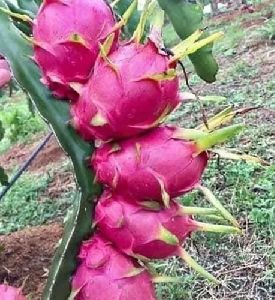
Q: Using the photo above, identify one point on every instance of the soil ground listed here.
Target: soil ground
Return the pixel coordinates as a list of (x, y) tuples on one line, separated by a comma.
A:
[(26, 255)]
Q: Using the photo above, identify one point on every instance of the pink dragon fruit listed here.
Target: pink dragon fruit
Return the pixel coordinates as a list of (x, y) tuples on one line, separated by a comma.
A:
[(143, 90), (150, 233), (104, 274), (5, 73), (10, 293), (66, 41), (4, 64), (154, 166), (139, 231)]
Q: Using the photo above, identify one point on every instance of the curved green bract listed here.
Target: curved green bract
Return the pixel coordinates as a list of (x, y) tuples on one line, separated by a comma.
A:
[(187, 18), (18, 52)]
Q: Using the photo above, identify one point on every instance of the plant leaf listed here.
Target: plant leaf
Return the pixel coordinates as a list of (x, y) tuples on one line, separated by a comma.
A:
[(4, 179)]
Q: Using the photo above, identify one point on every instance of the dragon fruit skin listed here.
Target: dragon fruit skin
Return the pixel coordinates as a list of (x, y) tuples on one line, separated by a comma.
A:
[(4, 64), (143, 167), (137, 231), (66, 41), (10, 293), (104, 273), (5, 77), (5, 73), (134, 102)]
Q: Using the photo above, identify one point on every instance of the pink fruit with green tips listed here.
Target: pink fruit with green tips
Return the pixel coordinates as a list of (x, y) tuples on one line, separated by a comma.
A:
[(136, 230), (154, 232), (131, 90), (105, 273), (155, 166), (66, 42)]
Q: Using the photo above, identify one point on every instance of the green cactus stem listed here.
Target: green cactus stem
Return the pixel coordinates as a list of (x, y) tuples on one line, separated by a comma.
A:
[(27, 10), (186, 19), (30, 5), (18, 52)]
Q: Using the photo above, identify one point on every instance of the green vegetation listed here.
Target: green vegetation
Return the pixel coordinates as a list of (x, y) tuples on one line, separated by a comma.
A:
[(247, 190), (28, 202), (19, 122), (245, 263)]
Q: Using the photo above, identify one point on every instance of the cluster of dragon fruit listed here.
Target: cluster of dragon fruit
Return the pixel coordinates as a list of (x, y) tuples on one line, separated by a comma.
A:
[(120, 93)]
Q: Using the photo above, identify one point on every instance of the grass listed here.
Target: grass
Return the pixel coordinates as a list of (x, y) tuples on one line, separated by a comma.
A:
[(233, 35), (245, 264), (20, 207), (28, 202), (247, 193), (19, 122)]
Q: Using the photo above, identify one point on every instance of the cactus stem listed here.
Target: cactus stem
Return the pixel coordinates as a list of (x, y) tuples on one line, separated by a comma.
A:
[(21, 17)]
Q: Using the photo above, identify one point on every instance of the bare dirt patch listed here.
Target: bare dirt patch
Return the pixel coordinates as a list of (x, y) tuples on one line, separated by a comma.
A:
[(26, 255), (60, 184), (18, 154), (230, 15)]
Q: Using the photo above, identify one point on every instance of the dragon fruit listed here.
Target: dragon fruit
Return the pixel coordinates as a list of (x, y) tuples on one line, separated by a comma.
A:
[(154, 233), (143, 89), (10, 293), (5, 73), (104, 273), (66, 41), (154, 166), (138, 231), (4, 64)]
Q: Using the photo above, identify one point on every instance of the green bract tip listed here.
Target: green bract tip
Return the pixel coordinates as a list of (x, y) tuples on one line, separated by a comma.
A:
[(217, 137)]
